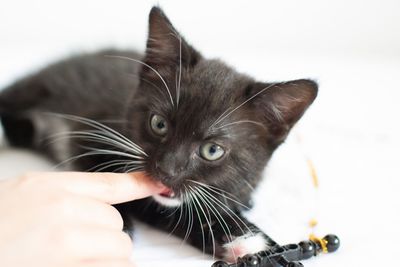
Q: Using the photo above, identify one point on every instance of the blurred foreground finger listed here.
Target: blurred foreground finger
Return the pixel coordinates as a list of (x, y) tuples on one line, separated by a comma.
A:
[(107, 264), (112, 188)]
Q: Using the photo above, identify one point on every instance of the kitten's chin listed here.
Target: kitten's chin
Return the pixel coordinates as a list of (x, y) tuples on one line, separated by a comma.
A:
[(168, 198), (167, 201)]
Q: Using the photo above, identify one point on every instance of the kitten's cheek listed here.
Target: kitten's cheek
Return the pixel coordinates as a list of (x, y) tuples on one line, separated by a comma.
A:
[(242, 245)]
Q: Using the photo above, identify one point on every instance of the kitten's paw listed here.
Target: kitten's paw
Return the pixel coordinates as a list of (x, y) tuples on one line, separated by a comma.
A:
[(242, 245)]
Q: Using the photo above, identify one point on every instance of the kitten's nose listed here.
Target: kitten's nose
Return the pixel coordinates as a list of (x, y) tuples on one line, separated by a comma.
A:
[(172, 164)]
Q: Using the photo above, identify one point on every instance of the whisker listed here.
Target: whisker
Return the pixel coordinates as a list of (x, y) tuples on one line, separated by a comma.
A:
[(112, 152), (101, 127), (227, 210), (105, 165), (239, 106), (138, 168), (93, 136), (151, 68), (176, 87), (91, 153), (179, 220), (144, 80), (217, 215), (200, 220), (213, 187), (216, 189), (220, 116), (190, 215), (209, 222), (245, 182), (125, 166), (242, 121), (71, 159), (180, 72)]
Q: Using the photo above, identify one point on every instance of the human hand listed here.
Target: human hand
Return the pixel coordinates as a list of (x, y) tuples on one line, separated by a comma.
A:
[(66, 219)]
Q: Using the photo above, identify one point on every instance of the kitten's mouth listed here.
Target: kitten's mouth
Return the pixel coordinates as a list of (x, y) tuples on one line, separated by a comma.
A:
[(168, 198), (168, 192)]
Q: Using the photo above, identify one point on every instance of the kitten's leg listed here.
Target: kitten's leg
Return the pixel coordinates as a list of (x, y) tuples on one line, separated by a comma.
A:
[(16, 104), (23, 96), (126, 215), (226, 236), (233, 236), (242, 238), (18, 131)]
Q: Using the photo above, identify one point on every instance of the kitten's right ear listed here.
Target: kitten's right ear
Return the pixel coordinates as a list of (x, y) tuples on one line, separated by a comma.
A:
[(166, 48), (281, 105)]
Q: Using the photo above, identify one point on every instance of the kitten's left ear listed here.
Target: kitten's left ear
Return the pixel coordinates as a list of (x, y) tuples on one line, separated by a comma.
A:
[(281, 105), (165, 46)]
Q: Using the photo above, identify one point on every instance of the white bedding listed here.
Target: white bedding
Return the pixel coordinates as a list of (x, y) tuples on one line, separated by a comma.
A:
[(351, 134)]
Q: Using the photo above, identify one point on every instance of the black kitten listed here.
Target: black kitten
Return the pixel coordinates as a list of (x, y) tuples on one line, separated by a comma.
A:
[(194, 124)]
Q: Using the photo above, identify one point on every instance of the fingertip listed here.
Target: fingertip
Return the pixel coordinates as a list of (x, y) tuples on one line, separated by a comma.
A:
[(112, 188), (148, 181), (135, 185)]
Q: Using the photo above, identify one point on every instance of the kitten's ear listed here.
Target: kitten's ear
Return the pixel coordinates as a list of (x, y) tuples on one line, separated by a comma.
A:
[(281, 105), (165, 46)]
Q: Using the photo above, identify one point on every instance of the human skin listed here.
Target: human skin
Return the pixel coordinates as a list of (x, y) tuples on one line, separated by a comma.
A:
[(66, 219)]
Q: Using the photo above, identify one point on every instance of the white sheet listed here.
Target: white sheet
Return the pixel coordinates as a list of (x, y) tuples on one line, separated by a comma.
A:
[(351, 134)]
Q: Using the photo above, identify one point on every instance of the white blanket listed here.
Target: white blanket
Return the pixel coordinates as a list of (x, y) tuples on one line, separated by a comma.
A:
[(351, 134)]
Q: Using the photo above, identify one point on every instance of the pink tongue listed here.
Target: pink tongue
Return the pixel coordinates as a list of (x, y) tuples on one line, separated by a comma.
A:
[(167, 193)]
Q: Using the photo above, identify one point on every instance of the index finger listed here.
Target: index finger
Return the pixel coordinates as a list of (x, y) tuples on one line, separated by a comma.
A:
[(112, 188)]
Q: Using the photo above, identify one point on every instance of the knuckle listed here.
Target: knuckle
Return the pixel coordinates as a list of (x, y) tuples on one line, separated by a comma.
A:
[(31, 178), (69, 240), (124, 242), (118, 221), (107, 187), (63, 205), (26, 178), (62, 237)]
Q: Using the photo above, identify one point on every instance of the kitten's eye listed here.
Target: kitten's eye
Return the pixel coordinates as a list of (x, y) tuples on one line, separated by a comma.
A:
[(211, 151), (159, 125)]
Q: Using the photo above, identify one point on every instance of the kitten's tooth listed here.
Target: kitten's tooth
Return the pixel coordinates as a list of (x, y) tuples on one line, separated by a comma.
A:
[(172, 194)]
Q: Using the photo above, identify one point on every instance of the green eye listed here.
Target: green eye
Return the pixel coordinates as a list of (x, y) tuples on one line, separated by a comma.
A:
[(159, 125), (211, 151)]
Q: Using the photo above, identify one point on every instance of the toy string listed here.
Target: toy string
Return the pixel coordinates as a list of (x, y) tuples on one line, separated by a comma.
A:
[(313, 222)]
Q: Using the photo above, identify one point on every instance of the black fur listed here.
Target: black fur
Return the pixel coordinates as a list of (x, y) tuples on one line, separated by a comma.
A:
[(124, 95)]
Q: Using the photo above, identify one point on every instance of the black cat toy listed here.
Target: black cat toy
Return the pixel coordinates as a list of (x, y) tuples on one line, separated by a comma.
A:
[(288, 255)]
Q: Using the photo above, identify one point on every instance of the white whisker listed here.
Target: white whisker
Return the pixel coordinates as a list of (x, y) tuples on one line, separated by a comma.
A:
[(188, 202), (180, 72), (242, 121), (99, 126), (215, 190), (105, 165), (111, 152), (227, 210), (102, 135), (137, 168), (221, 118), (95, 136), (151, 68), (217, 215), (179, 220), (193, 197)]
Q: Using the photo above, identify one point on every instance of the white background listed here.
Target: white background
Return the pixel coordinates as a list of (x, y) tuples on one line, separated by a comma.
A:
[(351, 132)]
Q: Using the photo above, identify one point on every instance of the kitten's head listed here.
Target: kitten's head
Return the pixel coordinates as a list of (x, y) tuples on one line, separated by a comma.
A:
[(204, 124)]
